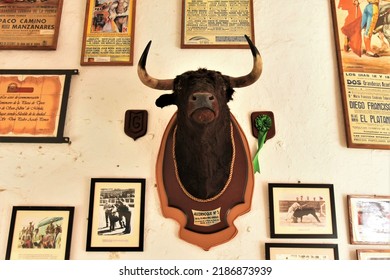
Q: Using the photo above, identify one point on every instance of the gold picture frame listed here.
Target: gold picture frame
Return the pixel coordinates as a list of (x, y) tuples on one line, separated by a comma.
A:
[(216, 24), (108, 37), (373, 254), (30, 25)]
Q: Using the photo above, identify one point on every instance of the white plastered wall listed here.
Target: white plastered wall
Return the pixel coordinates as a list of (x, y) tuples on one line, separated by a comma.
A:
[(299, 84)]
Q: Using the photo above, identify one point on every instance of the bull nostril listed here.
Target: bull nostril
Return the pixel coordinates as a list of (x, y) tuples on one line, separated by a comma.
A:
[(211, 98), (193, 97)]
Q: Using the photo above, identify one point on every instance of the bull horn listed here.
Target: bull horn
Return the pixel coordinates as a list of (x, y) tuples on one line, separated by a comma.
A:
[(148, 80), (254, 75)]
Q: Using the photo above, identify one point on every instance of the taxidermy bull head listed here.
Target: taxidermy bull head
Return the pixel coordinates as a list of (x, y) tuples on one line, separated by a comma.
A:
[(203, 147)]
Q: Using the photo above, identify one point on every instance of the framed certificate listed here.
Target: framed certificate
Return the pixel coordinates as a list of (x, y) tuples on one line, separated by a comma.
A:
[(108, 33), (33, 105), (216, 24), (30, 25)]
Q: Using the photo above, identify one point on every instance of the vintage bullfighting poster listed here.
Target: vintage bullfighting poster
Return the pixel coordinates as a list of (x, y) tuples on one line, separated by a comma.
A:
[(30, 24), (362, 33), (108, 33), (216, 24)]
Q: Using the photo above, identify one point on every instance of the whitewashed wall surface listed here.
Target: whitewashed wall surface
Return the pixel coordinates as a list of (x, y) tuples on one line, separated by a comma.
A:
[(299, 84)]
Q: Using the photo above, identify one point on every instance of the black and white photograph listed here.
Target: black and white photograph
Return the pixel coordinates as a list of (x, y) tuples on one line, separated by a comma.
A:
[(116, 215), (302, 211)]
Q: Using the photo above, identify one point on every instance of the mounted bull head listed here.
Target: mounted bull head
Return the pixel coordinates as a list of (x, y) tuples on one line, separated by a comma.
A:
[(204, 150)]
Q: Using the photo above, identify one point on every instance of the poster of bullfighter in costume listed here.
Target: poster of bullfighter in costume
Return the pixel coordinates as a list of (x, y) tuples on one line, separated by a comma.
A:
[(362, 33)]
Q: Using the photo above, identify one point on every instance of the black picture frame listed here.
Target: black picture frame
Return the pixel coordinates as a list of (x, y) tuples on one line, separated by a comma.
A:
[(302, 210), (40, 232), (116, 214), (301, 251), (22, 118)]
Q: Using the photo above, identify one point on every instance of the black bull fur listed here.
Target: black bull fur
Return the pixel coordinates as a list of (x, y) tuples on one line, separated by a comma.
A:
[(203, 148), (299, 213)]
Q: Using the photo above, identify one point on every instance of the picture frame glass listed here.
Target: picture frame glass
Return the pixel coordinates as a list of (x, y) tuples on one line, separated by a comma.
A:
[(216, 24), (30, 25), (301, 252), (108, 33), (42, 233), (302, 211), (116, 215), (369, 219)]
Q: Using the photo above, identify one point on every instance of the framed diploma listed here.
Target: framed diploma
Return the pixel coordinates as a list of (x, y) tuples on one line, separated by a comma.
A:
[(301, 252), (364, 69), (216, 24), (33, 105), (40, 233), (29, 25), (108, 33)]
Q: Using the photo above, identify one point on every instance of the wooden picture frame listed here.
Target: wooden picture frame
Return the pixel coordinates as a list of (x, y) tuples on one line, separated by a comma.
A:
[(116, 215), (40, 232), (369, 219), (30, 25), (373, 254), (33, 105), (302, 211), (301, 252), (108, 38), (364, 73), (211, 24)]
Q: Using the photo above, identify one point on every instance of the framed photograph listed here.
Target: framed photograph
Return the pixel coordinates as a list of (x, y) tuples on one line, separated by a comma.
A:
[(216, 24), (375, 255), (108, 33), (301, 252), (29, 25), (364, 70), (33, 105), (302, 211), (40, 233), (116, 215), (369, 219)]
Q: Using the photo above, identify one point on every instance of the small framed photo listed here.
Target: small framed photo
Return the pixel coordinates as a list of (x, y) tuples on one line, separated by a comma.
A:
[(369, 219), (301, 252), (30, 25), (116, 215), (216, 24), (374, 255), (302, 211), (108, 33), (40, 233)]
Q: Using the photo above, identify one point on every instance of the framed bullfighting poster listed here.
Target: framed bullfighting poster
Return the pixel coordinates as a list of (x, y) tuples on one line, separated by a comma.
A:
[(362, 36), (108, 33), (216, 24), (301, 252), (30, 24), (369, 219), (302, 211), (33, 105), (40, 233), (116, 215)]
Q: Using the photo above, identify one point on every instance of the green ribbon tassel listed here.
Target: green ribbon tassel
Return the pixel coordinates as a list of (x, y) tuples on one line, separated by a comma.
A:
[(263, 123)]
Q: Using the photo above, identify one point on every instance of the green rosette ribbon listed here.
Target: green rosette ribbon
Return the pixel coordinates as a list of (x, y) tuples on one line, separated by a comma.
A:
[(263, 123)]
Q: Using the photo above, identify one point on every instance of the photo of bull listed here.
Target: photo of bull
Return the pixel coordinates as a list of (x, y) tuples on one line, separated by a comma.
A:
[(204, 149)]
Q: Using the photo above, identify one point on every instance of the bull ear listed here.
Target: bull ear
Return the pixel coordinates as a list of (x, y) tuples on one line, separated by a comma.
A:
[(166, 100)]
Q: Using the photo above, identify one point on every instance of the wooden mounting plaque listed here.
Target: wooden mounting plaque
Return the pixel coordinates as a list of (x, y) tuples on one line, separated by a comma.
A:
[(216, 226)]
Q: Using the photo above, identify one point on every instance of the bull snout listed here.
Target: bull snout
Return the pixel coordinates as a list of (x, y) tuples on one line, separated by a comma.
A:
[(203, 107)]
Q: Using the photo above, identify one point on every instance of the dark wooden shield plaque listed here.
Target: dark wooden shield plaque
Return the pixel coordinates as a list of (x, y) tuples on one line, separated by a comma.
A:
[(205, 223), (255, 132), (136, 123)]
